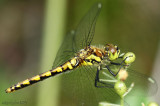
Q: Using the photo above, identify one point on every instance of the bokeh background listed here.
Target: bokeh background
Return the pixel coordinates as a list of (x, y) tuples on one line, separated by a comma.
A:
[(31, 32)]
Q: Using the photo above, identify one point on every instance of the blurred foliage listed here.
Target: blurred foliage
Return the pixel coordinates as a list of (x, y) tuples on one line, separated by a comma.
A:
[(132, 25)]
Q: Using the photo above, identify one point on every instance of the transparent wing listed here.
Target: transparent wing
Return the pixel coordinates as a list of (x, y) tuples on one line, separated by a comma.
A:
[(143, 85), (86, 28), (78, 89), (79, 38), (65, 51)]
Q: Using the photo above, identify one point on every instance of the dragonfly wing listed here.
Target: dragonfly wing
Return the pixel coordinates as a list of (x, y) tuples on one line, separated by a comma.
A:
[(86, 28), (143, 85), (66, 50), (79, 38), (78, 89)]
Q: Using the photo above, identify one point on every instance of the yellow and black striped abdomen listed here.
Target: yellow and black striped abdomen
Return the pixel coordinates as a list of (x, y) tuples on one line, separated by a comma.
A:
[(71, 64)]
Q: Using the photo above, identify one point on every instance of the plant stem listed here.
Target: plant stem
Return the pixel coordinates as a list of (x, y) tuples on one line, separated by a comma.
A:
[(53, 31), (122, 101)]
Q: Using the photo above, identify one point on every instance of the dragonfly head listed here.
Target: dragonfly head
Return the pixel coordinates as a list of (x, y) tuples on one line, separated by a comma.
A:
[(112, 51)]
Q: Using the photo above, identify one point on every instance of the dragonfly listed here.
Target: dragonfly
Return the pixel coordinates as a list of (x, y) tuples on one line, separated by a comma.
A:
[(81, 66)]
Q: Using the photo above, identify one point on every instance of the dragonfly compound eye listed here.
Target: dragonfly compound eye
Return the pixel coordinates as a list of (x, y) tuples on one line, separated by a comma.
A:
[(110, 48), (112, 51)]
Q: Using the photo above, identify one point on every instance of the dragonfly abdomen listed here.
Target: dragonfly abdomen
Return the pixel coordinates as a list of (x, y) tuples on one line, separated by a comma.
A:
[(69, 65)]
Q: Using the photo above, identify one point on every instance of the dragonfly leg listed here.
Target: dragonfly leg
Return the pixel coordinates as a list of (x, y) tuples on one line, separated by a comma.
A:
[(112, 71), (106, 85), (119, 63), (116, 64)]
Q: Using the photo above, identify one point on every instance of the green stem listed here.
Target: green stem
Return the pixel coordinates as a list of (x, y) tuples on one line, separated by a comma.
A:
[(53, 31), (122, 101)]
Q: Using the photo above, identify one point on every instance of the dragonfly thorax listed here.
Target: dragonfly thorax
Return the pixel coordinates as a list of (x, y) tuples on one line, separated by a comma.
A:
[(84, 53), (91, 55)]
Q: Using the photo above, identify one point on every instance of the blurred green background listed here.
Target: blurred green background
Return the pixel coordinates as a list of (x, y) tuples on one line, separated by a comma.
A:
[(31, 32)]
